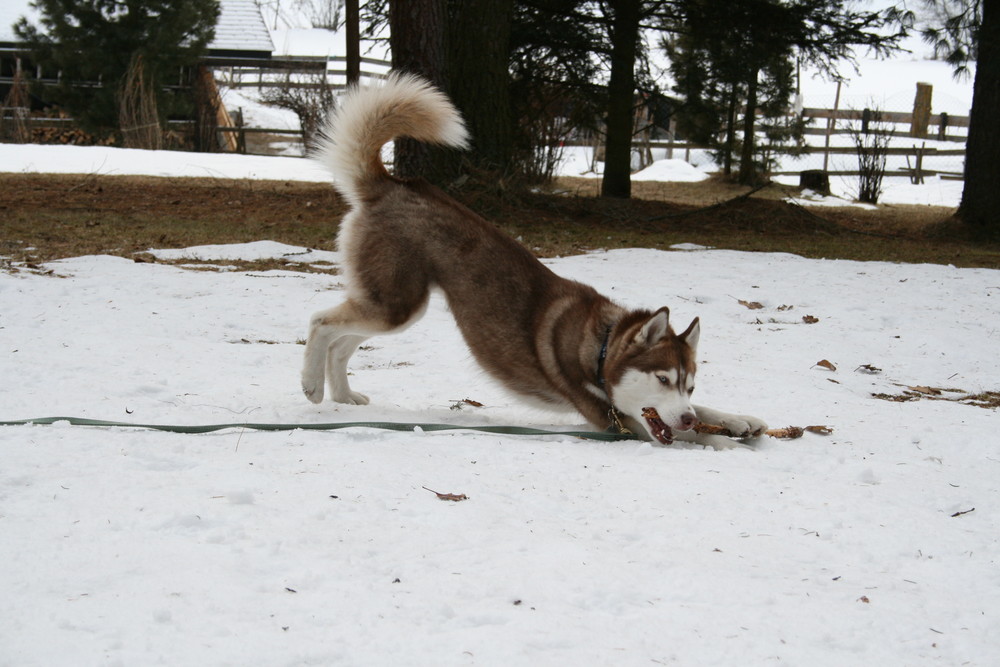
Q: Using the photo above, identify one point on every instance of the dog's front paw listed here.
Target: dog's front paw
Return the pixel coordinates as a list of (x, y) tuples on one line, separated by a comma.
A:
[(721, 443), (744, 426)]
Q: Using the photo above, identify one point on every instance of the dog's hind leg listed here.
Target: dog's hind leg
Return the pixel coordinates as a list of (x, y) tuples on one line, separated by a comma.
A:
[(335, 334), (322, 335)]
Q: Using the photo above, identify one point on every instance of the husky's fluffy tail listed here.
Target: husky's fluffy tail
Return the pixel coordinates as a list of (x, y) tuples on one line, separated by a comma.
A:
[(368, 118)]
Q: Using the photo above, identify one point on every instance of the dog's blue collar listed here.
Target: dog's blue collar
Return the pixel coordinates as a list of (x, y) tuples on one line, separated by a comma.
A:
[(601, 357), (614, 416)]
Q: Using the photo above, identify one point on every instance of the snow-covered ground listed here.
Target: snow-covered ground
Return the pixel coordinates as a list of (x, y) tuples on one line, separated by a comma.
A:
[(877, 544), (105, 161), (28, 158)]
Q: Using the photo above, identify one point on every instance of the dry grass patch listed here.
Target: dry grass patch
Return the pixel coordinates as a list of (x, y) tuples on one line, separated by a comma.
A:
[(45, 217)]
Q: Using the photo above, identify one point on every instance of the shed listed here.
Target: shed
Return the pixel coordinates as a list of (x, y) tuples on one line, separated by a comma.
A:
[(240, 34)]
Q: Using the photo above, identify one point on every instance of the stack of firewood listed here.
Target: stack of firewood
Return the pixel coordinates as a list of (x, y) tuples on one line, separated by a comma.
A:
[(67, 135)]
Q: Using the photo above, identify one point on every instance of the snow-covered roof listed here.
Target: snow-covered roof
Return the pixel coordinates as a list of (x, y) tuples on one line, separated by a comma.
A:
[(240, 27)]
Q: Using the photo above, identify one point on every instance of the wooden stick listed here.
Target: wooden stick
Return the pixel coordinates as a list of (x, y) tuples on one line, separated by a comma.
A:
[(787, 433)]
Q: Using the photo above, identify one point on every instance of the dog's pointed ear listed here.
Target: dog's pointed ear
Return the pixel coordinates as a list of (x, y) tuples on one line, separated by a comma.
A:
[(691, 334), (655, 328)]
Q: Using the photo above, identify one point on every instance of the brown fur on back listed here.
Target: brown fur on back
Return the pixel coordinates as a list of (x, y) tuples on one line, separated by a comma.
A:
[(410, 236)]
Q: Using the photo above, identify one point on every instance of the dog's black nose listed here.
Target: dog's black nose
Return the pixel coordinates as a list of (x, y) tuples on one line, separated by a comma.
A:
[(688, 420)]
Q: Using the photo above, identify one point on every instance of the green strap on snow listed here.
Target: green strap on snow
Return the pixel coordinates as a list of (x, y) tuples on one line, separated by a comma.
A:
[(390, 426)]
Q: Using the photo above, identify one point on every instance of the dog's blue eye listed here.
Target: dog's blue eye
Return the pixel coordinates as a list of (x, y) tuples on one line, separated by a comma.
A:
[(663, 379)]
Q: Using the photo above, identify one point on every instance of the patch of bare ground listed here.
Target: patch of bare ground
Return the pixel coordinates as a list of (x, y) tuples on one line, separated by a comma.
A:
[(45, 217)]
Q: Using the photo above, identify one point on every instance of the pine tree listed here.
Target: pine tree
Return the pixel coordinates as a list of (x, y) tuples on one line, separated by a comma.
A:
[(736, 60), (961, 32), (90, 44), (733, 60), (554, 89)]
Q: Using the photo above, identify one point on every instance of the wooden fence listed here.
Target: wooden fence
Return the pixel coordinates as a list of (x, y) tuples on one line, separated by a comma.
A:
[(919, 124), (278, 73), (916, 172), (942, 121)]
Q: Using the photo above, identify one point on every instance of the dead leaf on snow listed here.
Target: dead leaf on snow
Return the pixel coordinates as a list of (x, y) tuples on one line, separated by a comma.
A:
[(823, 363), (896, 398), (458, 405), (809, 319), (989, 399), (752, 305), (986, 399), (454, 497)]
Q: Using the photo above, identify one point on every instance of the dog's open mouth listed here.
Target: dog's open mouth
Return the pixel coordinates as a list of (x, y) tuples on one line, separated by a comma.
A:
[(659, 430)]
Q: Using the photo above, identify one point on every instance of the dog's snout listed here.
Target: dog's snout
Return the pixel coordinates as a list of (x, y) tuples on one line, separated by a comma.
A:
[(688, 420)]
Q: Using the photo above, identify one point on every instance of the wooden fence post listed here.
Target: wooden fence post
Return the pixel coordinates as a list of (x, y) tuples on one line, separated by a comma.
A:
[(943, 127), (830, 122), (241, 135), (921, 110)]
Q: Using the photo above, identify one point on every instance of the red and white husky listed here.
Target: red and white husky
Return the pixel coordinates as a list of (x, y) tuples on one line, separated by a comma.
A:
[(552, 340)]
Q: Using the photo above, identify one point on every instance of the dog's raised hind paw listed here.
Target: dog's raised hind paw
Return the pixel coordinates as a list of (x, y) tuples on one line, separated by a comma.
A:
[(313, 390), (350, 398)]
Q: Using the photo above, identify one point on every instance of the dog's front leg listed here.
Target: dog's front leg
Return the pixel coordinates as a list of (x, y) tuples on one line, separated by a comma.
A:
[(741, 426)]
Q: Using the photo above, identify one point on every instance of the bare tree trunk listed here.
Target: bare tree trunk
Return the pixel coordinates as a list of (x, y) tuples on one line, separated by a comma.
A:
[(478, 61), (617, 181), (980, 195), (352, 27), (748, 170), (727, 158), (417, 41)]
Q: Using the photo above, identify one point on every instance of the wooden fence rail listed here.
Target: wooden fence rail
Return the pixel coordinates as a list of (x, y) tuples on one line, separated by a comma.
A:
[(277, 72), (917, 152), (887, 116)]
